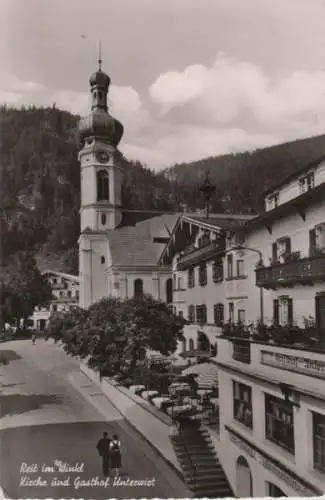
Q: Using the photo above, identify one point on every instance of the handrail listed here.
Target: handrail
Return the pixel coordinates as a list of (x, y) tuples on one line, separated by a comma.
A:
[(188, 453)]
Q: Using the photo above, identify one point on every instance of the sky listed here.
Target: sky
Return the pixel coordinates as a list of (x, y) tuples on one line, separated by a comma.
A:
[(190, 78)]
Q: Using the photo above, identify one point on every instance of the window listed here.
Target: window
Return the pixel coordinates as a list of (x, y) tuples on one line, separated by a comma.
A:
[(65, 284), (204, 240), (102, 259), (191, 278), (273, 201), (243, 411), (230, 266), (217, 271), (169, 291), (218, 313), (317, 239), (69, 293), (103, 219), (279, 425), (306, 183), (174, 282), (201, 314), (138, 287), (54, 308), (283, 248), (77, 294), (283, 311), (275, 492), (319, 441), (102, 185), (191, 344), (203, 277), (241, 316), (61, 294), (179, 283), (231, 312), (240, 268), (191, 314), (55, 281)]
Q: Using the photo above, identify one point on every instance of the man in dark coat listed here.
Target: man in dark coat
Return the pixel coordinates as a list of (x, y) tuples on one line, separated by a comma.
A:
[(103, 448)]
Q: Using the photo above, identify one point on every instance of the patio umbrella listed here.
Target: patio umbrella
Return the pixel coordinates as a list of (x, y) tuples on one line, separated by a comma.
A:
[(207, 373)]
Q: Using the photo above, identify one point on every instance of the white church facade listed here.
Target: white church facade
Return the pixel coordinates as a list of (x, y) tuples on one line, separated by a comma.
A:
[(115, 258)]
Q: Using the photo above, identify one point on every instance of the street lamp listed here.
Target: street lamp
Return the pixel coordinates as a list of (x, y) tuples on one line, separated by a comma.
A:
[(207, 189), (260, 263)]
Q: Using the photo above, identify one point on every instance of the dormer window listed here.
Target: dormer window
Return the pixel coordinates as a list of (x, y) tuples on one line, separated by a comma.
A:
[(273, 201), (307, 182)]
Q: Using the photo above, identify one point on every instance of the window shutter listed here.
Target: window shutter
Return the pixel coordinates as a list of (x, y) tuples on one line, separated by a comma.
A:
[(288, 246), (276, 311), (290, 311), (274, 252), (312, 241), (317, 312)]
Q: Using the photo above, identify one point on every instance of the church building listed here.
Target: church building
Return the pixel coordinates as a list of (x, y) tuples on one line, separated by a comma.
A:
[(117, 257)]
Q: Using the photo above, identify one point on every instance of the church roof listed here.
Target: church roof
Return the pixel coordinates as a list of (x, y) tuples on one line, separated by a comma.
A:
[(143, 243)]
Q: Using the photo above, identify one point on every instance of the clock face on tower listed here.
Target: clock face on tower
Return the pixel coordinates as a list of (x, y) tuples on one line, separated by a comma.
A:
[(102, 156)]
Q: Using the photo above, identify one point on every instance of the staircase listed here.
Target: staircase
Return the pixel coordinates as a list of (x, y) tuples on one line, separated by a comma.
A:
[(202, 470)]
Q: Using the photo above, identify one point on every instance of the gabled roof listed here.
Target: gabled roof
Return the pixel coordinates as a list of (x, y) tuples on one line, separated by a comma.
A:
[(295, 175), (71, 277), (215, 222), (136, 245)]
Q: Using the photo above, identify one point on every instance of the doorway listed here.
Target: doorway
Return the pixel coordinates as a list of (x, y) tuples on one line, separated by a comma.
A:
[(244, 483)]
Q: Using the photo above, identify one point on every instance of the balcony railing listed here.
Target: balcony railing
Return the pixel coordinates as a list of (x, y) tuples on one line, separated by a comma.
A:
[(195, 255), (241, 351), (305, 271)]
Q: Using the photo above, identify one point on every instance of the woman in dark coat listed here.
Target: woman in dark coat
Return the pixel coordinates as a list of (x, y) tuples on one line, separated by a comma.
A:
[(115, 454)]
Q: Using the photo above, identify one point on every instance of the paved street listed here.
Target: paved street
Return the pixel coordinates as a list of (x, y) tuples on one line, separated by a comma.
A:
[(43, 419)]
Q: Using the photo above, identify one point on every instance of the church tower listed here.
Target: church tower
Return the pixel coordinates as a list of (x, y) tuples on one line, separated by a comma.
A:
[(101, 189)]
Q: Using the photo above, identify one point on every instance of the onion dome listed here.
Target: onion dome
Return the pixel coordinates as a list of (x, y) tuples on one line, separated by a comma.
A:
[(101, 125), (99, 79)]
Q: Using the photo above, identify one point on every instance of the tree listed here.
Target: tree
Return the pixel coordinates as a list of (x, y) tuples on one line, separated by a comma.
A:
[(22, 289), (114, 334), (148, 324)]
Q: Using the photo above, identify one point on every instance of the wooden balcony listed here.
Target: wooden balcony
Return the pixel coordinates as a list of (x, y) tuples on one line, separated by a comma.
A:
[(303, 271), (195, 255)]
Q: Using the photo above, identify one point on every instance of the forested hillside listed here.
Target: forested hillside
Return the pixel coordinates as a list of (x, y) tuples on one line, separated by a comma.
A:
[(241, 179), (40, 183)]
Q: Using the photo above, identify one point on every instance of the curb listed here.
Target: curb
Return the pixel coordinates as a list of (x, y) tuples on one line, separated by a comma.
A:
[(154, 448)]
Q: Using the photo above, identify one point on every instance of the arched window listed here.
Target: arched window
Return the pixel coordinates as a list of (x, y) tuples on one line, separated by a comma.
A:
[(191, 344), (244, 483), (169, 291), (275, 491), (203, 343), (138, 287), (102, 185), (103, 219)]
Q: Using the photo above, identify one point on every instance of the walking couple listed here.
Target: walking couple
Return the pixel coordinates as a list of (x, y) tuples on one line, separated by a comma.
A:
[(110, 452)]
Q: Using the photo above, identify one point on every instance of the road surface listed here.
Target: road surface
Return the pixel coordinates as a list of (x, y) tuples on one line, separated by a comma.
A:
[(49, 432)]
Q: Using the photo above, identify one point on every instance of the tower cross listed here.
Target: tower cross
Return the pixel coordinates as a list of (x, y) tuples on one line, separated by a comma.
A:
[(100, 55)]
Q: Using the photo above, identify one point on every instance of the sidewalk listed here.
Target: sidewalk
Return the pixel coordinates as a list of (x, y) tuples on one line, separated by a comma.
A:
[(94, 395)]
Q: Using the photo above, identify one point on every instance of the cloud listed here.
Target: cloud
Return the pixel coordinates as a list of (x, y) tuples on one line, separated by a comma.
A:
[(191, 143), (126, 105), (229, 88)]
